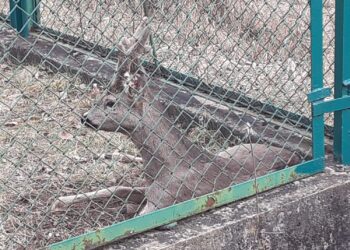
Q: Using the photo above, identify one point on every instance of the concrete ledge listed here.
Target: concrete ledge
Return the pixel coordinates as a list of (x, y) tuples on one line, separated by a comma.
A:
[(313, 213)]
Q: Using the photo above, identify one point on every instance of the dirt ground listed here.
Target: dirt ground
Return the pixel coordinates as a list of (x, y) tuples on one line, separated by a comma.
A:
[(258, 47)]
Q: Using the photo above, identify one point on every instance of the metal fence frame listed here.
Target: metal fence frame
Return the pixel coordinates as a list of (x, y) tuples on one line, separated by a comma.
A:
[(24, 14), (342, 83)]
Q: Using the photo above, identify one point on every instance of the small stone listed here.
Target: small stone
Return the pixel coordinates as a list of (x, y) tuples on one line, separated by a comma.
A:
[(329, 170), (11, 124), (82, 86)]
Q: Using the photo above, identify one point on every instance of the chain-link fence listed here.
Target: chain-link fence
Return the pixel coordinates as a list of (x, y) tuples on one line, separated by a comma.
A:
[(221, 99)]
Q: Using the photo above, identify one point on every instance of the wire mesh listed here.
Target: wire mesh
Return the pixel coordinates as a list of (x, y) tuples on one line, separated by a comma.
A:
[(244, 44), (329, 36), (258, 49)]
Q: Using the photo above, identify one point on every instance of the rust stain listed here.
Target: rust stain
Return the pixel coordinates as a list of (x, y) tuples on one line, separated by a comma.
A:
[(283, 178), (256, 187), (88, 243), (294, 175), (210, 202)]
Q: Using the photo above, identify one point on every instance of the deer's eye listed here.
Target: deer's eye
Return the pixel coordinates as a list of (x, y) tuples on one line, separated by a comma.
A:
[(110, 104)]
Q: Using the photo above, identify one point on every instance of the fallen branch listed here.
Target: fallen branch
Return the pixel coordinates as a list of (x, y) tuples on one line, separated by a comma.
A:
[(127, 194), (122, 157), (125, 158)]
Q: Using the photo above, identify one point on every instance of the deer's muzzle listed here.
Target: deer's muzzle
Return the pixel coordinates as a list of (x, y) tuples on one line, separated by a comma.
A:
[(85, 120)]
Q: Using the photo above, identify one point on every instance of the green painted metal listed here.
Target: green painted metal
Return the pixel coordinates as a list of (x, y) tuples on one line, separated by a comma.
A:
[(346, 83), (191, 207), (342, 74), (316, 10), (319, 94), (36, 14), (14, 13), (333, 105), (25, 10), (24, 14)]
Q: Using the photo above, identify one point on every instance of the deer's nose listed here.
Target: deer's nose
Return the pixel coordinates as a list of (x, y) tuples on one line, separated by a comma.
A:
[(85, 120)]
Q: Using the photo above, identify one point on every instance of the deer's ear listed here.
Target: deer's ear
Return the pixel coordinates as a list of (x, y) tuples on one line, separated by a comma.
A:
[(131, 49)]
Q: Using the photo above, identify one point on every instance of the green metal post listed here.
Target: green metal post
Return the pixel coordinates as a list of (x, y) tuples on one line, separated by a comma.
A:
[(24, 14), (13, 13), (36, 13), (317, 75), (342, 81)]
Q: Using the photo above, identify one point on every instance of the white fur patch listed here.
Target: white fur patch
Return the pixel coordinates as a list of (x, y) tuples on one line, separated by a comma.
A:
[(131, 80)]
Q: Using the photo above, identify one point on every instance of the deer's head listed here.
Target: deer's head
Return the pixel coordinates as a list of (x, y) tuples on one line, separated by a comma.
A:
[(122, 111)]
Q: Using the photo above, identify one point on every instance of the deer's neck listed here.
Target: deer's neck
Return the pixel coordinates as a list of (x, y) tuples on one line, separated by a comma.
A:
[(175, 168), (162, 144)]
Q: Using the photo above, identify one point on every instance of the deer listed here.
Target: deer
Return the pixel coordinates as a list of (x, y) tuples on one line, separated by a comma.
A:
[(175, 169)]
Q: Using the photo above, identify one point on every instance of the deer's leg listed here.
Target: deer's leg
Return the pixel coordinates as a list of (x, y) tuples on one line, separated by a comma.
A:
[(128, 194), (149, 207)]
